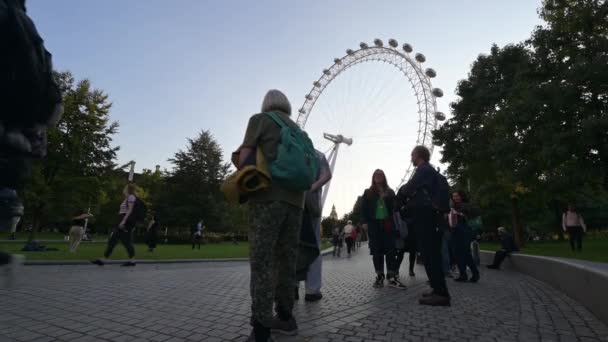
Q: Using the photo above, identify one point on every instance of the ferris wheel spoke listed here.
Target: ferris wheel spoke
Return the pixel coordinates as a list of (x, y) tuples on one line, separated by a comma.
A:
[(363, 97)]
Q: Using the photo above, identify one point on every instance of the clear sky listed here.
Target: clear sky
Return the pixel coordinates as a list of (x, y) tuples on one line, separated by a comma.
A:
[(174, 68)]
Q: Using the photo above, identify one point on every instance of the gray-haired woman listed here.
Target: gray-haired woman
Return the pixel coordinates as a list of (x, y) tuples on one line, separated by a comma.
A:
[(275, 218)]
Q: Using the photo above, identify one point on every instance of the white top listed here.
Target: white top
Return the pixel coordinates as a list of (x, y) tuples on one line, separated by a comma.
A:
[(199, 229), (348, 229), (123, 206), (570, 219)]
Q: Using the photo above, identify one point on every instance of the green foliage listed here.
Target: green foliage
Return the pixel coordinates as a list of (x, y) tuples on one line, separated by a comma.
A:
[(528, 132), (80, 154), (191, 190)]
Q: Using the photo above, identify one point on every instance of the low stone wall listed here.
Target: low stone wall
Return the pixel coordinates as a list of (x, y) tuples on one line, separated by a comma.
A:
[(587, 285)]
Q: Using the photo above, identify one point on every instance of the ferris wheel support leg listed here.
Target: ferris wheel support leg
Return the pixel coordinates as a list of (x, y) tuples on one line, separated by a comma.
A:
[(333, 155)]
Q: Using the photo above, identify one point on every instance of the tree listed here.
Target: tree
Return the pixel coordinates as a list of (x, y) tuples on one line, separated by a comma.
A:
[(487, 141), (191, 189), (529, 126), (80, 154)]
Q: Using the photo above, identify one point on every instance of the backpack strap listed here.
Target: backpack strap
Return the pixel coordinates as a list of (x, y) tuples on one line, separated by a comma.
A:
[(276, 119)]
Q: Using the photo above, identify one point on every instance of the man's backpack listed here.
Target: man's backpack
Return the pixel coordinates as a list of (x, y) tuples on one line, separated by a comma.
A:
[(439, 194), (296, 165), (139, 210)]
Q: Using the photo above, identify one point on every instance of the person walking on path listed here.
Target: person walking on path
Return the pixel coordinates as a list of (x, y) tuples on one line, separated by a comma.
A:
[(77, 230), (377, 210), (574, 225), (124, 232), (508, 246), (275, 219), (336, 240), (152, 233), (197, 234), (462, 236), (354, 237), (348, 236), (313, 203), (428, 222)]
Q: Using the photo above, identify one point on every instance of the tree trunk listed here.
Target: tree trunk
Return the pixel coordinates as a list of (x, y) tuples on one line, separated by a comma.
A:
[(517, 226)]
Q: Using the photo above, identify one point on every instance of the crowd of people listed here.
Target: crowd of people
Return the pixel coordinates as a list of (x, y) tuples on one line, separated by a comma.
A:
[(421, 218), (412, 220)]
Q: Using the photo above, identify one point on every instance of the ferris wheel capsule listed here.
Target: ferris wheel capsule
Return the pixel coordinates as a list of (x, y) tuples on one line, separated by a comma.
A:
[(364, 45), (430, 72), (437, 92), (350, 52), (326, 72), (407, 48), (308, 97), (378, 42), (337, 61), (316, 84), (301, 111), (439, 116), (420, 58), (393, 43)]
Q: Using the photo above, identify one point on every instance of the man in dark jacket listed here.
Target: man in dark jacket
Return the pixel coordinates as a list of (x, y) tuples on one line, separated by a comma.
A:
[(508, 246), (427, 222)]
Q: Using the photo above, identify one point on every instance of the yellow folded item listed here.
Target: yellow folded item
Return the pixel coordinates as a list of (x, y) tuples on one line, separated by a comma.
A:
[(249, 179)]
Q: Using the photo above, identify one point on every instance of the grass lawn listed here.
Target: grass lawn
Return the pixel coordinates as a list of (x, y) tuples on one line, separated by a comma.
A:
[(593, 249), (93, 250)]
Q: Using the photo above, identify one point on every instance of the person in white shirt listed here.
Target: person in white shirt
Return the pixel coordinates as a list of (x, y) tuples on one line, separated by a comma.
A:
[(574, 225), (198, 234), (348, 231), (124, 232)]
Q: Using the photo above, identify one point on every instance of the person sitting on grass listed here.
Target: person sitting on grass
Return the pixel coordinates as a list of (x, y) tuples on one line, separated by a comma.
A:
[(508, 246)]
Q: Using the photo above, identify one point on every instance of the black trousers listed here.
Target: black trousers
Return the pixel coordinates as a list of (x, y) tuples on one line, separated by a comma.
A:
[(196, 240), (429, 231), (576, 237), (349, 244), (461, 238), (391, 261), (125, 236), (401, 255), (151, 239), (499, 257)]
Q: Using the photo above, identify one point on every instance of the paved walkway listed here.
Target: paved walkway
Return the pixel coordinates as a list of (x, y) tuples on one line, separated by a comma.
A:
[(210, 302)]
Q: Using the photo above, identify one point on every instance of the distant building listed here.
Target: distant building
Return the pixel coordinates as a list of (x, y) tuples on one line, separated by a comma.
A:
[(334, 213)]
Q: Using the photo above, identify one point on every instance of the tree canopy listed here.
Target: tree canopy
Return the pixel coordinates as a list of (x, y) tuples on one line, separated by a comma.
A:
[(529, 129)]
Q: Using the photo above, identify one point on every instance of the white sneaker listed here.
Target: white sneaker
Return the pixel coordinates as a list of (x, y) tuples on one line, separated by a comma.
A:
[(13, 268), (395, 283)]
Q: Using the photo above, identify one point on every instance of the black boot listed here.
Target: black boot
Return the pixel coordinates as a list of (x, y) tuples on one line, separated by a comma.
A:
[(260, 333)]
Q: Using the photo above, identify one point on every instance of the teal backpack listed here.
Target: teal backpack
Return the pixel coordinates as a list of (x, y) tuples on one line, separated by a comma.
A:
[(296, 165)]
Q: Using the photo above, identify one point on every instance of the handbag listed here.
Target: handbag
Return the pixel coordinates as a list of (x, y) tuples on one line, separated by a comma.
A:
[(401, 225)]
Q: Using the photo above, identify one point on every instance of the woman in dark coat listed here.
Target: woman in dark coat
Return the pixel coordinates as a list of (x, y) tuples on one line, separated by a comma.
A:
[(377, 212), (462, 236)]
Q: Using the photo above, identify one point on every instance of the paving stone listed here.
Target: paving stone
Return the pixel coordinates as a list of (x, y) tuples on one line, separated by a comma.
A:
[(210, 302)]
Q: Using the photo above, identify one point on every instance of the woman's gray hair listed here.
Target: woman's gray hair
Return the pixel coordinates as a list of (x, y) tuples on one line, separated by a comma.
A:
[(276, 100)]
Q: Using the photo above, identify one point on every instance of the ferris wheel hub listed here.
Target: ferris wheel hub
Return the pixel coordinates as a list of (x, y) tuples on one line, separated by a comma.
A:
[(338, 139)]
